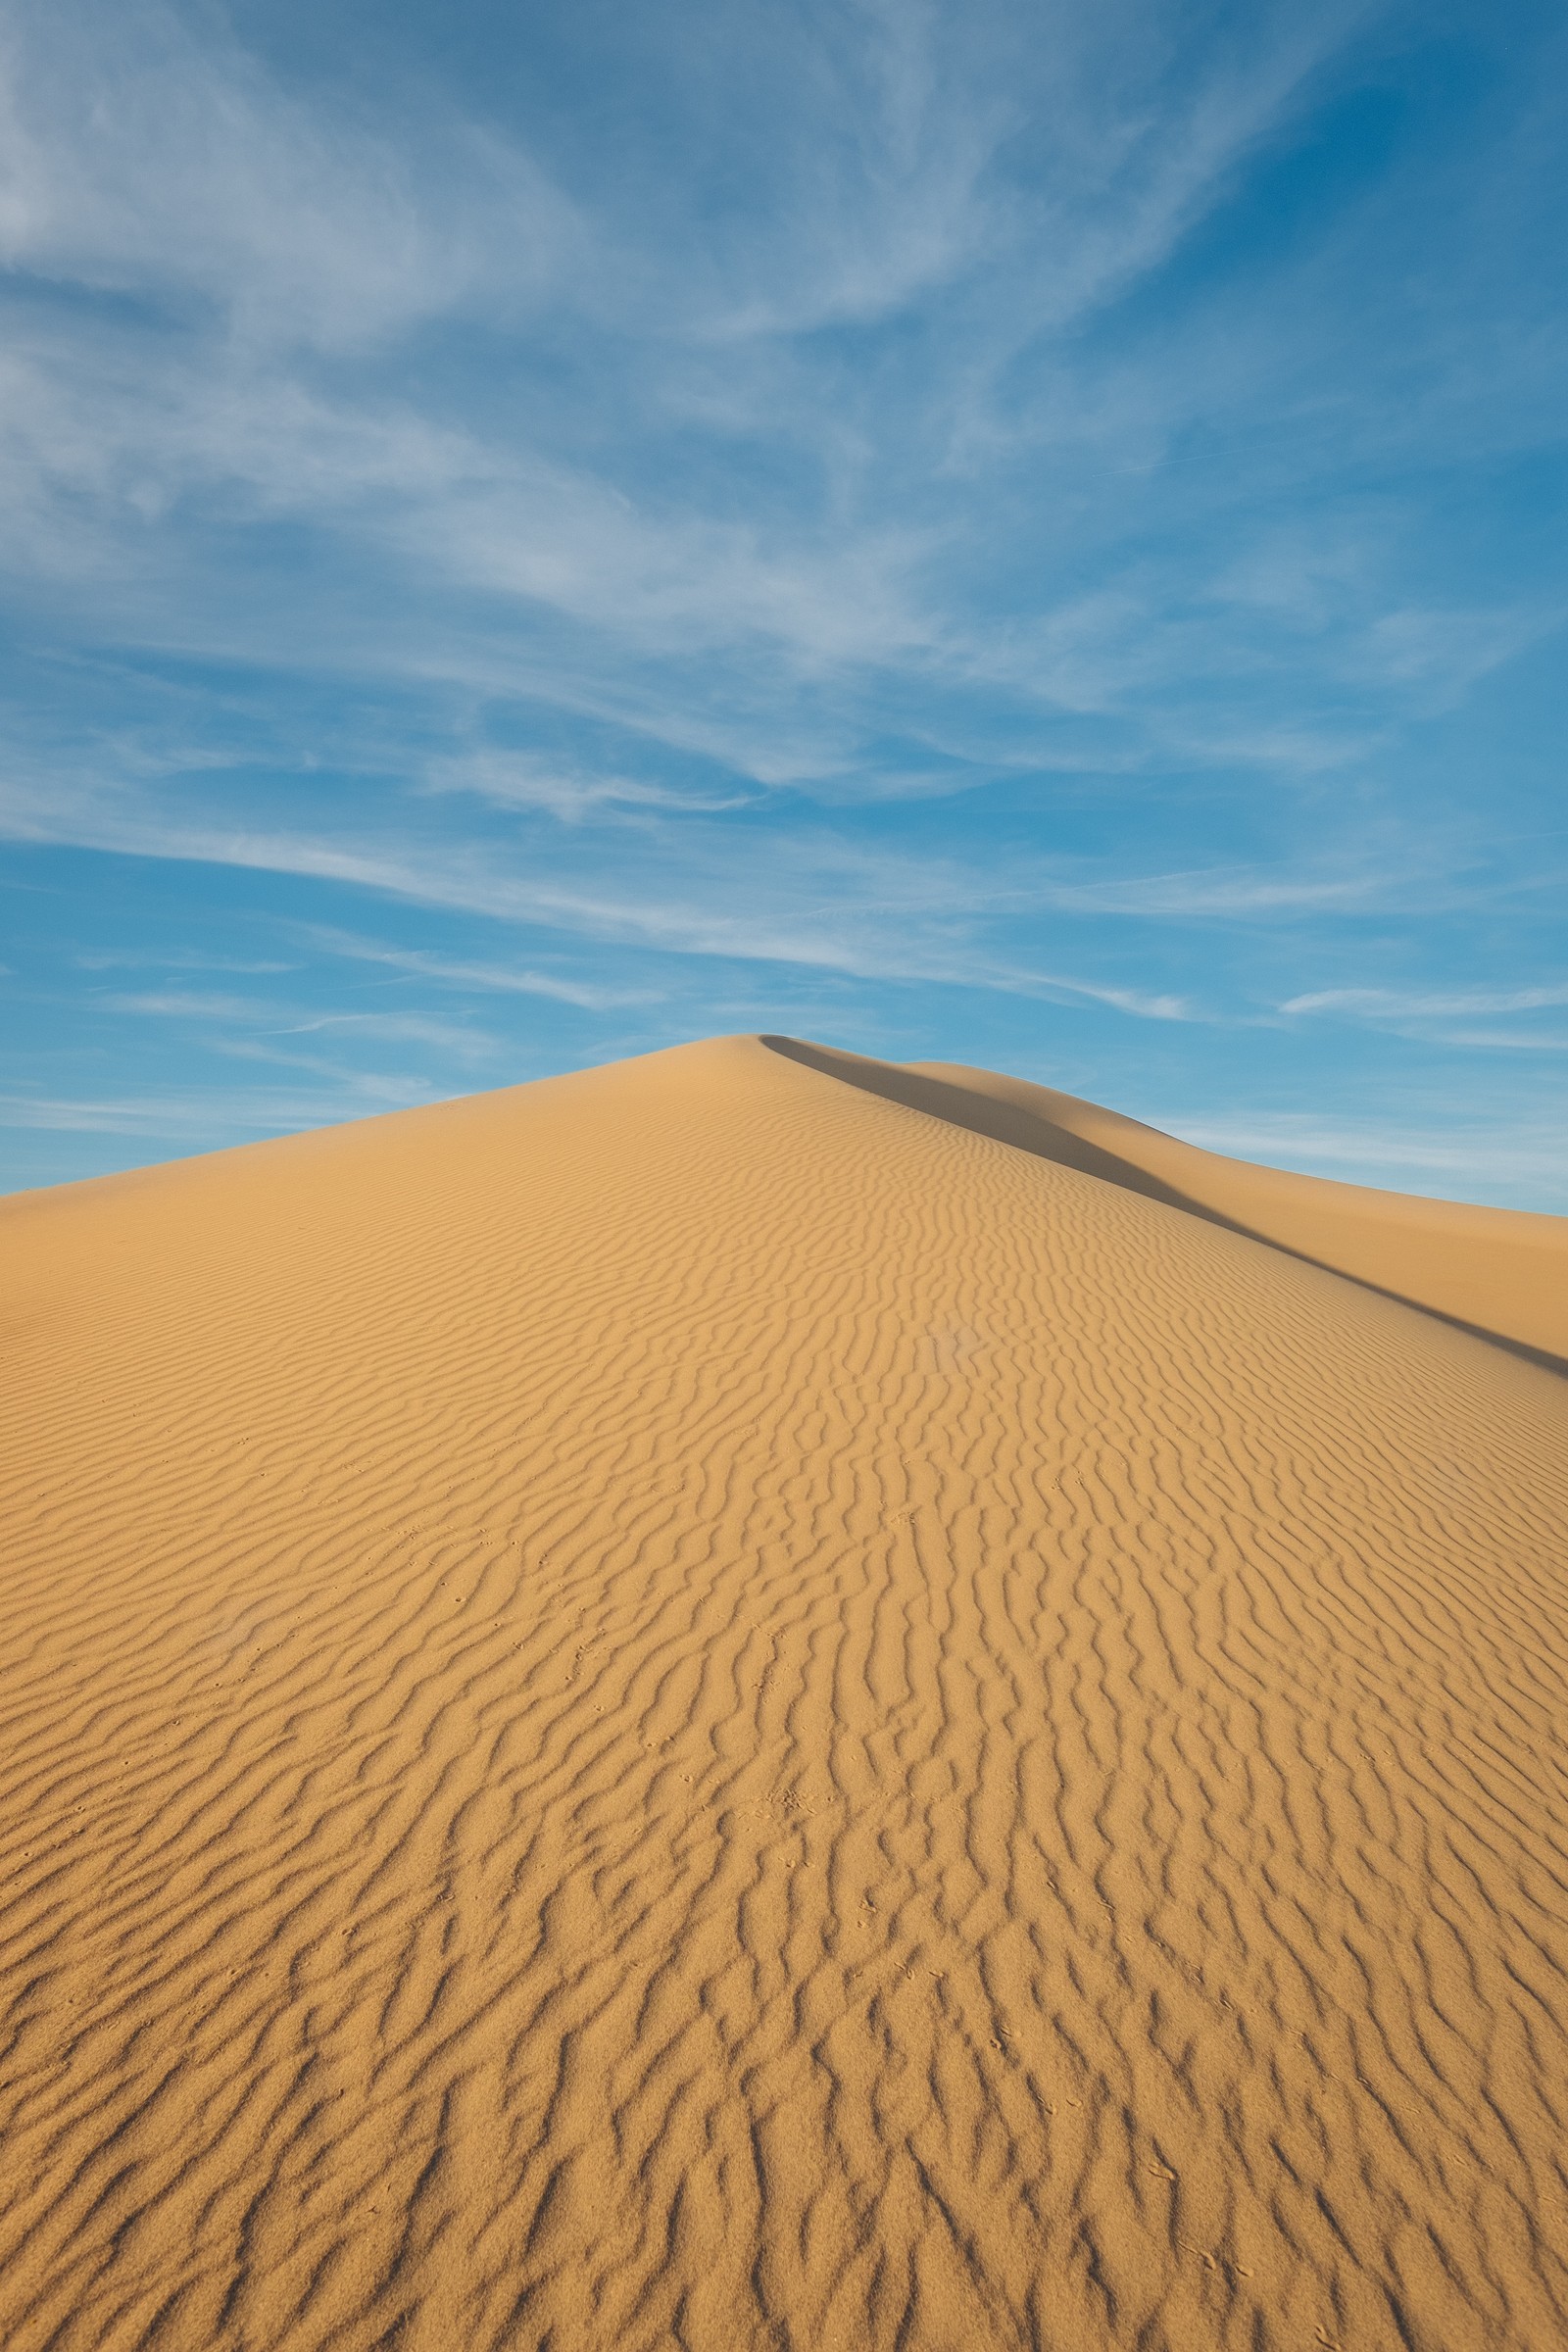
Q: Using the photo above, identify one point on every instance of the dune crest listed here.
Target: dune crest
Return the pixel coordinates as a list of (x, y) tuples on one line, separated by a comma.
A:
[(700, 1706)]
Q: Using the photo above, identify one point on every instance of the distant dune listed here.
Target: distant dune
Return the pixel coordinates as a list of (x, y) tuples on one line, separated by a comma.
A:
[(758, 1699)]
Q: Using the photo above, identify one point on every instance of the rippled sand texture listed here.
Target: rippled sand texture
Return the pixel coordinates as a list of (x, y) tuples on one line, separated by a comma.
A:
[(688, 1706)]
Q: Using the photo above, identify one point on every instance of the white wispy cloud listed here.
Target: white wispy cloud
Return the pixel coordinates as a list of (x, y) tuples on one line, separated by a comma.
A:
[(459, 972), (1506, 1041), (144, 155), (466, 1043), (1446, 651), (182, 1004), (522, 780), (1221, 891), (173, 959), (463, 1040), (209, 1116), (1407, 1005)]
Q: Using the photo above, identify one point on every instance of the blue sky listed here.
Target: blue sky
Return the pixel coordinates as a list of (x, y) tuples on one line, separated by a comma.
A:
[(1020, 534)]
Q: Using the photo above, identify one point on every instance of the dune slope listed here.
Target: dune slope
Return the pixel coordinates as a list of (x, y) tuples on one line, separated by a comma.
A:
[(692, 1706)]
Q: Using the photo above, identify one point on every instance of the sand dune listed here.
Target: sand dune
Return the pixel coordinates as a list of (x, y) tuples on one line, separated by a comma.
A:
[(722, 1704)]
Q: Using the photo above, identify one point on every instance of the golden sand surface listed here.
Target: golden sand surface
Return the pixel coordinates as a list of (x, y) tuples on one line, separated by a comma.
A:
[(704, 1705)]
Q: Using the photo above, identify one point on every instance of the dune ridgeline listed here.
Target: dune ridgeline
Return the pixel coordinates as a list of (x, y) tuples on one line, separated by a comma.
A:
[(761, 1700)]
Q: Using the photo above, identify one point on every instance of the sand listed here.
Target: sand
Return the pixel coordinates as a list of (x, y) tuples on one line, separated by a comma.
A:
[(706, 1705)]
